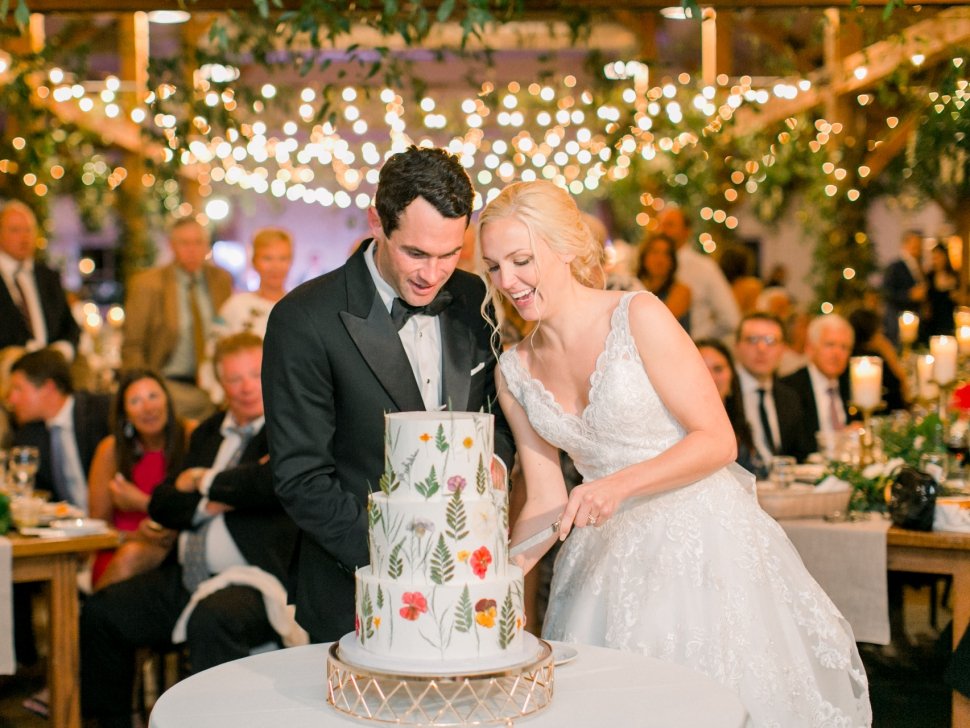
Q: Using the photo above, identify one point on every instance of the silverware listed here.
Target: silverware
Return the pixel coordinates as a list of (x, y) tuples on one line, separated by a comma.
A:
[(535, 539)]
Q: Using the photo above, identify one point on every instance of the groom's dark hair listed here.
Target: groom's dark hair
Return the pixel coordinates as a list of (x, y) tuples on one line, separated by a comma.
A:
[(431, 173)]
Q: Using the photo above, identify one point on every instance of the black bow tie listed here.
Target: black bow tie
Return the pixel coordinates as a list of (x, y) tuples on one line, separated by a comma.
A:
[(401, 310)]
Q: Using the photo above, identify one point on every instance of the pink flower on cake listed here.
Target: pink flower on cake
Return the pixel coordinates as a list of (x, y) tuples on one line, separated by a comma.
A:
[(415, 605), (480, 560), (485, 612), (456, 482), (357, 624)]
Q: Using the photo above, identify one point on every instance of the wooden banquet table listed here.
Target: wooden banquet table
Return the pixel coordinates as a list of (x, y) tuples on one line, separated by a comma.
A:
[(56, 561), (938, 552), (600, 687)]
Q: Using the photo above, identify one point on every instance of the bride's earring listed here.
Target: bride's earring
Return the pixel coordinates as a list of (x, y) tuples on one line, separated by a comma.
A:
[(128, 429)]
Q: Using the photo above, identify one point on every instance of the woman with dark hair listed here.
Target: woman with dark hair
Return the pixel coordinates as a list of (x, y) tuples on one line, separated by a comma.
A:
[(871, 341), (720, 363), (657, 270), (943, 283), (147, 443)]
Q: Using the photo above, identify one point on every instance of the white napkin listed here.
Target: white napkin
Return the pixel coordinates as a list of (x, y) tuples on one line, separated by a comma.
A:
[(831, 484), (8, 664), (951, 517)]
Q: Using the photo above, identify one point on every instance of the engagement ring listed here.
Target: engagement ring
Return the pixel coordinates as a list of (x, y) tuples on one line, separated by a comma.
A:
[(591, 519)]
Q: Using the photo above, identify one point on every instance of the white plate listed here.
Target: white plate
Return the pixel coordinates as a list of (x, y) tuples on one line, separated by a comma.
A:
[(78, 526), (563, 653)]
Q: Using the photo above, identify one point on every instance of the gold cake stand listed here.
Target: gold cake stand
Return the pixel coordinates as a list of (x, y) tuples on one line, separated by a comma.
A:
[(483, 698)]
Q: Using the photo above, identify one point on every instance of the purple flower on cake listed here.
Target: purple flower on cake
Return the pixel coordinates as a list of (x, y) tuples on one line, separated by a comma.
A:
[(456, 482), (421, 527), (480, 560), (414, 605)]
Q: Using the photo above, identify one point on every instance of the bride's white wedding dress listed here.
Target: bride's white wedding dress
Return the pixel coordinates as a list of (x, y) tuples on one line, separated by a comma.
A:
[(700, 575)]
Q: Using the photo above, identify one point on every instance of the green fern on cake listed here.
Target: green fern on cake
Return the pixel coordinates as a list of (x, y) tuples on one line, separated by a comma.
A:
[(395, 564), (464, 620), (429, 486), (380, 597), (455, 517), (373, 513), (506, 623), (440, 441), (389, 481), (367, 609), (442, 562), (481, 476)]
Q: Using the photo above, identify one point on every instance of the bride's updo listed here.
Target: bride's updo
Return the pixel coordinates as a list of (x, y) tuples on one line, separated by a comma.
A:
[(549, 213)]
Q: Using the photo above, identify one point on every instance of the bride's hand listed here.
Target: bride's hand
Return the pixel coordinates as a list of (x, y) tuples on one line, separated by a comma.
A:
[(590, 504)]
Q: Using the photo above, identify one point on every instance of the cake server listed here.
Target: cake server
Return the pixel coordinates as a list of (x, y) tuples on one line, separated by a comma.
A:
[(535, 539)]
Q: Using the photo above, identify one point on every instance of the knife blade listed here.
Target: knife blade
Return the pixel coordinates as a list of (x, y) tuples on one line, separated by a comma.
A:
[(535, 539)]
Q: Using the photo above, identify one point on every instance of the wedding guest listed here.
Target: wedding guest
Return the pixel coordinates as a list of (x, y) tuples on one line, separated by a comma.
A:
[(941, 294), (666, 551), (713, 310), (249, 310), (147, 443), (658, 273), (903, 284), (33, 306), (720, 363), (169, 313)]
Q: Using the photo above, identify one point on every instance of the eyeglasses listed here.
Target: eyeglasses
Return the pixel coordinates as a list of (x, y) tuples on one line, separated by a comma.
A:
[(766, 340)]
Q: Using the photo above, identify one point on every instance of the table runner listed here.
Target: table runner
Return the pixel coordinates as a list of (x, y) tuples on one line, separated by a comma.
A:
[(8, 664), (848, 560)]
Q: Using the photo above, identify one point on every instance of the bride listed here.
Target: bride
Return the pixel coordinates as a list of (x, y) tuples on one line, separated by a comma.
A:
[(669, 554)]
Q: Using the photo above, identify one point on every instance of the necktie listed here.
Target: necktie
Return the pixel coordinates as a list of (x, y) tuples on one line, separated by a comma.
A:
[(195, 566), (835, 410), (401, 310), (22, 301), (765, 423), (198, 331)]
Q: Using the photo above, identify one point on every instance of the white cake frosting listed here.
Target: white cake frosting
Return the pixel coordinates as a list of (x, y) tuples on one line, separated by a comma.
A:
[(439, 586)]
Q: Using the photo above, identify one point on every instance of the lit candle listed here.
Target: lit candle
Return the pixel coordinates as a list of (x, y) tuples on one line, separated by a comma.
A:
[(963, 339), (961, 316), (908, 327), (924, 377), (944, 351), (865, 379)]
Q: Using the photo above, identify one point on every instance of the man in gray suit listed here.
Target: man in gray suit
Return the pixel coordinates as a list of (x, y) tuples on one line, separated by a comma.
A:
[(395, 329)]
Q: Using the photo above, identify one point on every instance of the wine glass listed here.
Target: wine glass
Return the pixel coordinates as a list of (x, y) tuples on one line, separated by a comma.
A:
[(22, 465), (782, 471)]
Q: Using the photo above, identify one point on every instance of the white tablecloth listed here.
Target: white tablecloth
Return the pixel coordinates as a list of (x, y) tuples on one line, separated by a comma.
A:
[(600, 687), (7, 661), (848, 560)]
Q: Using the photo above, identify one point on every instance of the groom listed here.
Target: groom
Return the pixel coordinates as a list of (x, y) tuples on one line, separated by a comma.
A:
[(395, 329)]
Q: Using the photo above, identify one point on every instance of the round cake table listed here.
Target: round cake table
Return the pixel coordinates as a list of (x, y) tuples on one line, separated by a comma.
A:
[(600, 687)]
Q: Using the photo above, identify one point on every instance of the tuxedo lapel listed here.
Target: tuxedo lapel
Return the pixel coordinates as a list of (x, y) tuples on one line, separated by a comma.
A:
[(369, 326), (457, 346)]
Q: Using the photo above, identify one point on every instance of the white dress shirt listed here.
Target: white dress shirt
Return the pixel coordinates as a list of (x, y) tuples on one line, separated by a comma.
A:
[(749, 393), (714, 311), (77, 483), (9, 267), (221, 551), (421, 337), (820, 388)]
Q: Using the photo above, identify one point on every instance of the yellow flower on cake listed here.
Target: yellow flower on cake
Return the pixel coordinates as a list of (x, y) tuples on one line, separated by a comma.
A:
[(485, 612), (462, 556), (468, 442)]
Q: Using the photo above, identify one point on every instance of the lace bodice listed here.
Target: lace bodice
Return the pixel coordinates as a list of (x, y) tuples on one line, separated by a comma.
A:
[(625, 422)]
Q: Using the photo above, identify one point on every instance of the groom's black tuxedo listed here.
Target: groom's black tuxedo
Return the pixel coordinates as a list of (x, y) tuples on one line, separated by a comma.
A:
[(333, 365)]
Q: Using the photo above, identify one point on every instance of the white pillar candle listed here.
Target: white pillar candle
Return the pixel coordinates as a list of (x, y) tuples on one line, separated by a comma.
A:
[(961, 316), (944, 351), (865, 379), (908, 327), (924, 377), (963, 339)]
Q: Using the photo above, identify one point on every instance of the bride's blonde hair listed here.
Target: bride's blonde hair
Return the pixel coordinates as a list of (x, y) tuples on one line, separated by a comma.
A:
[(550, 214)]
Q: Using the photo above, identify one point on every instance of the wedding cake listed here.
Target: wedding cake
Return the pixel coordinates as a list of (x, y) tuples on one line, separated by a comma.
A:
[(439, 587)]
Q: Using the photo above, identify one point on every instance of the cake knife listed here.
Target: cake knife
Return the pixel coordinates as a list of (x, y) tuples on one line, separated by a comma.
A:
[(535, 539)]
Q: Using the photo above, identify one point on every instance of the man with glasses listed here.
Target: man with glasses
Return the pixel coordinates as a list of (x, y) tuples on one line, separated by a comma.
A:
[(771, 408)]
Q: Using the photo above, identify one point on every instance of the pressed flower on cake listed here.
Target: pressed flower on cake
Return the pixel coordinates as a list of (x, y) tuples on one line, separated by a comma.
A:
[(415, 605)]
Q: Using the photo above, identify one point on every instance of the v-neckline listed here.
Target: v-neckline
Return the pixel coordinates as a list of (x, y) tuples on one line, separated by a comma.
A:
[(593, 378)]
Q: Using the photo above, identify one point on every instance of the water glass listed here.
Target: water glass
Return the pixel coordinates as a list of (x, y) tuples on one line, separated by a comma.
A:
[(935, 464), (782, 471), (22, 463)]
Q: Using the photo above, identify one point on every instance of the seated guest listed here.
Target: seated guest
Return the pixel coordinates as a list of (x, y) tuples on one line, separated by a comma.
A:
[(720, 363), (33, 306), (658, 273), (65, 426), (871, 341), (823, 383), (234, 548), (771, 408), (146, 444)]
